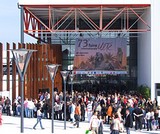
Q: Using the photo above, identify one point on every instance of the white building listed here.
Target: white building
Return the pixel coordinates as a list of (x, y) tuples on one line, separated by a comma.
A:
[(148, 48)]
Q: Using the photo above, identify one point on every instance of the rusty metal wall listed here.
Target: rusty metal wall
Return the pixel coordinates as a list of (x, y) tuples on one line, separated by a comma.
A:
[(37, 77)]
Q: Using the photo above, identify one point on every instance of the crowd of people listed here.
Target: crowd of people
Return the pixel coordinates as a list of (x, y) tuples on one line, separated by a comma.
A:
[(121, 111)]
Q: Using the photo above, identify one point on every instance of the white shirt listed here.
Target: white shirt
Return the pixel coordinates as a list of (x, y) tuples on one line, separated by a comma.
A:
[(116, 124), (30, 105), (148, 115), (94, 122), (89, 107), (39, 113)]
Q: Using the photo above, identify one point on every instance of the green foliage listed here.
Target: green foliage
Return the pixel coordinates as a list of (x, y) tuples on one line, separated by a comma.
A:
[(145, 91)]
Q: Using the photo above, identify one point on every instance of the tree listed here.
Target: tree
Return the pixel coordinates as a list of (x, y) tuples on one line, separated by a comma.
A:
[(145, 91)]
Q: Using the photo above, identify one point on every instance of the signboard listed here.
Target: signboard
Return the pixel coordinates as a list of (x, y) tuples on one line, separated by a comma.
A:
[(100, 55)]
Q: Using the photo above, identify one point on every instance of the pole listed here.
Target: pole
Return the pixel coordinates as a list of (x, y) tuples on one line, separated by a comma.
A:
[(72, 89), (24, 54), (22, 104), (52, 106), (22, 25), (64, 104), (22, 77)]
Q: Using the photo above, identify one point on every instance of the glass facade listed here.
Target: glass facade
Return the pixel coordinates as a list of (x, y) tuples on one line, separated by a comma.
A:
[(100, 82)]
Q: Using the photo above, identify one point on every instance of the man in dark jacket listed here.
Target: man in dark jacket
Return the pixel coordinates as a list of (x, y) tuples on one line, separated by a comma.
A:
[(138, 113), (128, 121)]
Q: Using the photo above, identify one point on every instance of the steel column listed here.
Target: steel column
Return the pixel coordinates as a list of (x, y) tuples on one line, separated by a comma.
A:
[(22, 24)]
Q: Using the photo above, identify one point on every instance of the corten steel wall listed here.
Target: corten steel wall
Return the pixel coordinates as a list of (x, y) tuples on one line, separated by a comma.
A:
[(14, 76), (8, 67), (1, 66), (37, 76)]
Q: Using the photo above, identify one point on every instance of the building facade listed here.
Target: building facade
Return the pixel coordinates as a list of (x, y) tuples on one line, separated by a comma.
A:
[(62, 22)]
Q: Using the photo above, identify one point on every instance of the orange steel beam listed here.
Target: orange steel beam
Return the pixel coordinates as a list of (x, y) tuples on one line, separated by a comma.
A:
[(30, 20), (139, 17), (34, 26), (127, 19), (92, 22), (114, 19), (27, 20), (50, 17), (87, 5), (101, 19), (62, 18), (89, 30), (34, 22), (32, 16)]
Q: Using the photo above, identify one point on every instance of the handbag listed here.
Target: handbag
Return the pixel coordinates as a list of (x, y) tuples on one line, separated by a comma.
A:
[(89, 132)]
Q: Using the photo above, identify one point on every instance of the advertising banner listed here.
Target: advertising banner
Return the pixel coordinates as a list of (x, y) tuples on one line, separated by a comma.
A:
[(100, 55)]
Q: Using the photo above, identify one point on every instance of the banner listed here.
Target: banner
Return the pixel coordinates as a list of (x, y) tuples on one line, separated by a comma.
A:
[(100, 55)]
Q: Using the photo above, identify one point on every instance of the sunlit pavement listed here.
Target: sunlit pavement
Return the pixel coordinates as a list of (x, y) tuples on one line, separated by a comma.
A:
[(12, 125)]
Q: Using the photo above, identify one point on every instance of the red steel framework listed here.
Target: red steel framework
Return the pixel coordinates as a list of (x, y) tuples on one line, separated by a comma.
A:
[(35, 26)]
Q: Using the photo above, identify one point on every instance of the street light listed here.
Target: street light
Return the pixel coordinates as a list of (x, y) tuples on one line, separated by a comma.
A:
[(64, 75), (52, 69), (21, 57), (71, 76)]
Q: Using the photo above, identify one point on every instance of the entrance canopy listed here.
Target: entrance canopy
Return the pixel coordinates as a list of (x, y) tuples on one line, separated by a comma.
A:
[(45, 18)]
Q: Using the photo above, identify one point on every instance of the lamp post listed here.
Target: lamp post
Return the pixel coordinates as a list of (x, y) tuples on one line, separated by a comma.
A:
[(52, 69), (21, 57), (64, 75), (71, 76)]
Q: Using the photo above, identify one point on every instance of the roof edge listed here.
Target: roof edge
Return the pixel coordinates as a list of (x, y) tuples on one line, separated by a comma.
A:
[(83, 2)]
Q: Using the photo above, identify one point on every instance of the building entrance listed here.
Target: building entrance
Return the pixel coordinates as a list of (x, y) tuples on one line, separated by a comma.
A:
[(103, 83)]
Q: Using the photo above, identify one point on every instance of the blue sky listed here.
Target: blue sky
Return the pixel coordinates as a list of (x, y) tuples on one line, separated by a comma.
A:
[(10, 23)]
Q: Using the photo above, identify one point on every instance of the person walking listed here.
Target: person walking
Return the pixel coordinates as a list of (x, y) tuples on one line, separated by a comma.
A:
[(77, 115), (128, 121), (156, 118), (1, 108), (115, 125), (72, 112), (39, 118), (109, 113), (94, 123), (89, 110), (138, 113), (100, 126), (149, 121), (8, 104), (83, 109)]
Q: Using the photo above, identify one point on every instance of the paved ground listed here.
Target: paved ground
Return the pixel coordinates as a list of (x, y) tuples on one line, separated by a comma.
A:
[(12, 125)]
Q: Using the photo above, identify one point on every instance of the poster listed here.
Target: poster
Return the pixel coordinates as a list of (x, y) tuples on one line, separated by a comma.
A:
[(100, 55)]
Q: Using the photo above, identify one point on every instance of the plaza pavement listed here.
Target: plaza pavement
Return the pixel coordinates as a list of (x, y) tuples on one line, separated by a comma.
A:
[(11, 125)]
